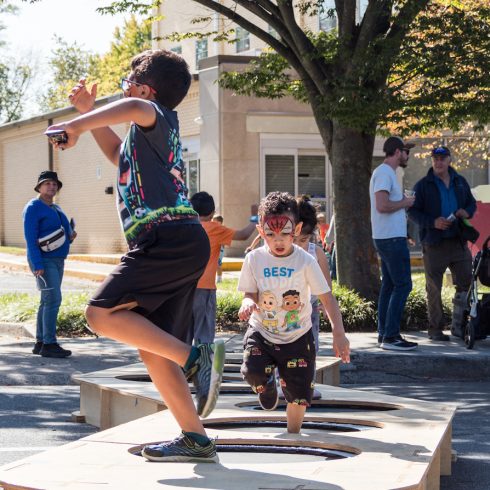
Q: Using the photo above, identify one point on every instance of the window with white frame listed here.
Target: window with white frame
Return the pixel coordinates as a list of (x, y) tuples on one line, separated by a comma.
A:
[(201, 50), (327, 19), (297, 174), (242, 39)]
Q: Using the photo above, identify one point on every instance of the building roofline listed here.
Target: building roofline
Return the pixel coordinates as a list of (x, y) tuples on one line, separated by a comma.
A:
[(54, 114), (220, 59)]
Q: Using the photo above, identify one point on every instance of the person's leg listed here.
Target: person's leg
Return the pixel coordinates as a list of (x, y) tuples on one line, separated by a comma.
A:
[(385, 290), (435, 264), (295, 415), (51, 297), (315, 324), (122, 324), (461, 270), (397, 261), (296, 365), (204, 313), (170, 382)]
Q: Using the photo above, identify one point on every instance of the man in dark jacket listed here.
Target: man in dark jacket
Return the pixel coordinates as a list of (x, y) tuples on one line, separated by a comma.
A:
[(441, 197)]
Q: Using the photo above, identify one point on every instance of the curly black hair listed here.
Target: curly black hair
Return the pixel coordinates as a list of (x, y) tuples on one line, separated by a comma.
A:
[(164, 71), (307, 215), (276, 203)]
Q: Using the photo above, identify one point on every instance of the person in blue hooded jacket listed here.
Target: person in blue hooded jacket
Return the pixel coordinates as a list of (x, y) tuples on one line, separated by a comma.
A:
[(441, 198), (46, 226)]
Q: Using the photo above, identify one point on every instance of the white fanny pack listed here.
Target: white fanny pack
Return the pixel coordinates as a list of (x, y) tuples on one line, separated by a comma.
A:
[(52, 241)]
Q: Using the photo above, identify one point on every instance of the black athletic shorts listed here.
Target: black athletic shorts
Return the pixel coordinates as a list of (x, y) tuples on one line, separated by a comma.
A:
[(161, 275), (295, 363)]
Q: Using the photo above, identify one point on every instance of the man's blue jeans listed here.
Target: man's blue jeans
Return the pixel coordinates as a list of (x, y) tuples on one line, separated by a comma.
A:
[(49, 284), (396, 284)]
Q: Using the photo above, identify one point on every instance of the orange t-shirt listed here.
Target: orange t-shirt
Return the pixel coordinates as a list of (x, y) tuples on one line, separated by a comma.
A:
[(218, 235)]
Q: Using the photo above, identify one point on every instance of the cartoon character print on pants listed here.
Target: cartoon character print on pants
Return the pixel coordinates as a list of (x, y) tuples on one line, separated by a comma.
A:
[(268, 306), (292, 305), (299, 362)]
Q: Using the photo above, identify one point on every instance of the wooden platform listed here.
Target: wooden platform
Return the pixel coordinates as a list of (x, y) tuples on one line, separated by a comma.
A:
[(119, 395), (404, 444)]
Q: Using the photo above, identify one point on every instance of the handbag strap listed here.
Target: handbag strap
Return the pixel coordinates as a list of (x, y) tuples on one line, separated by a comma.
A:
[(55, 207)]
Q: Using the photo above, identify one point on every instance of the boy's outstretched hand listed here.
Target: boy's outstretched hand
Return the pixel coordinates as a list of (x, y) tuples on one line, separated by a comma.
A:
[(246, 309), (341, 346), (81, 99), (72, 135)]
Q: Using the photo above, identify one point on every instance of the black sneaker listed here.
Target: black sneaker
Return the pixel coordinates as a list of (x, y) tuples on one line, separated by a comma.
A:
[(398, 343), (206, 375), (380, 340), (439, 336), (54, 350), (37, 347), (269, 398), (181, 449)]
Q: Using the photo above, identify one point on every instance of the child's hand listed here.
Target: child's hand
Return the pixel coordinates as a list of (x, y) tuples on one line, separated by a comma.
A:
[(341, 346), (81, 99), (72, 136), (246, 309)]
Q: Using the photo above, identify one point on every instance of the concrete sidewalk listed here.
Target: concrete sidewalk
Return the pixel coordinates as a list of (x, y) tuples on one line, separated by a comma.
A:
[(93, 267), (448, 361)]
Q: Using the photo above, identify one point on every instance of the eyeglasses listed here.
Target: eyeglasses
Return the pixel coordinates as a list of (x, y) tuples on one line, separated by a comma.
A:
[(126, 84), (406, 150)]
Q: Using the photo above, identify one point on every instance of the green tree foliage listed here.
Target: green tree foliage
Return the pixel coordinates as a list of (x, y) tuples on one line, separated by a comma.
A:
[(109, 68), (70, 62), (14, 77)]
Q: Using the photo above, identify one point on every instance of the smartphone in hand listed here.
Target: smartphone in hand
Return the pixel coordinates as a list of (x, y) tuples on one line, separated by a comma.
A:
[(72, 224), (56, 135)]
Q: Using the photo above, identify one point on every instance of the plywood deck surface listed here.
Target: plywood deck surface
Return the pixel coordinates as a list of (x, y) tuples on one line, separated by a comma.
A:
[(404, 448)]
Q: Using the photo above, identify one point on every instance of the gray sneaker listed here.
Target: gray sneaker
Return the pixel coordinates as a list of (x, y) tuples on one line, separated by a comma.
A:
[(181, 449), (206, 375), (398, 343)]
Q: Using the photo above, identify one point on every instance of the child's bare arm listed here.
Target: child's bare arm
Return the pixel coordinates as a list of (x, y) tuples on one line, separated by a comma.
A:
[(249, 304), (138, 111), (340, 342), (83, 101)]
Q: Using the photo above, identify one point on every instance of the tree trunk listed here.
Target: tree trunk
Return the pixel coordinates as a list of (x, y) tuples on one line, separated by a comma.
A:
[(351, 156)]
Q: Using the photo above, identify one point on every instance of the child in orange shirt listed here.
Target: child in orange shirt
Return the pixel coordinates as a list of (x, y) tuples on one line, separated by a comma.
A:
[(204, 306), (219, 273)]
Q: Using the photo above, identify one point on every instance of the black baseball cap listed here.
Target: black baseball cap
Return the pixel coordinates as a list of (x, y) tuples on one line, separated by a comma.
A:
[(396, 143), (442, 151)]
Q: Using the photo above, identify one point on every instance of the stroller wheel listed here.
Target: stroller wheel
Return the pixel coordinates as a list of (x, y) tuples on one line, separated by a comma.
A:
[(469, 334)]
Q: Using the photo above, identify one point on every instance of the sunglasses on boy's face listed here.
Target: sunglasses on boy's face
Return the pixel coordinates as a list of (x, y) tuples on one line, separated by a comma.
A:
[(126, 84)]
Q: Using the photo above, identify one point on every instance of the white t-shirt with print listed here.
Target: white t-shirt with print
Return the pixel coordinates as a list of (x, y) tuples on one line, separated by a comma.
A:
[(386, 225), (284, 286)]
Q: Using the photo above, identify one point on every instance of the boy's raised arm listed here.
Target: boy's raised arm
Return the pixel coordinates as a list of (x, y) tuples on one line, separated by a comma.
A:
[(134, 110), (83, 101)]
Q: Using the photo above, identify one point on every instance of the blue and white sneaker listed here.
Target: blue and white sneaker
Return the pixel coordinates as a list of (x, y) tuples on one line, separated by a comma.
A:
[(207, 374), (181, 449)]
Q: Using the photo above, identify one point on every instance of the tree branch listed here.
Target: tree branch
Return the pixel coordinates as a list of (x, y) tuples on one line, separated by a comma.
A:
[(346, 13), (317, 71)]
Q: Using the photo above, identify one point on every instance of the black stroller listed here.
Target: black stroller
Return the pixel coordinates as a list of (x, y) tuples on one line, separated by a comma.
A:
[(476, 325)]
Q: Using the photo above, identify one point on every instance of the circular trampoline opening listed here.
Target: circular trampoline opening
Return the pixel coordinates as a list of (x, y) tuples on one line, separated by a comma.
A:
[(331, 405), (141, 378), (238, 389), (275, 450), (325, 425)]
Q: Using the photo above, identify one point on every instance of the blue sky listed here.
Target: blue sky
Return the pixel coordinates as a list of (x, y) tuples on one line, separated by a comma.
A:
[(30, 33)]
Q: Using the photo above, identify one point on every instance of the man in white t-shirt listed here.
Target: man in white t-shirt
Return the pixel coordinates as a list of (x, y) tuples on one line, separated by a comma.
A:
[(389, 227), (278, 280)]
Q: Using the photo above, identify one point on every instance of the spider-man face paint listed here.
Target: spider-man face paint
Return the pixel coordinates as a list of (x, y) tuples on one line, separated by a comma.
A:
[(278, 224)]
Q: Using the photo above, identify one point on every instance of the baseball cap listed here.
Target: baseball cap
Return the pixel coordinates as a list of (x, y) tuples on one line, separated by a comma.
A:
[(396, 143), (442, 151)]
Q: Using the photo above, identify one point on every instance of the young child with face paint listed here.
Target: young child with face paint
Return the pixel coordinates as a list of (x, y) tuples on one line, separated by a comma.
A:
[(278, 280)]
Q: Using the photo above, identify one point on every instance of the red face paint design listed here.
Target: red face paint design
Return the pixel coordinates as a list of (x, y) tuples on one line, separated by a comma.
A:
[(279, 224)]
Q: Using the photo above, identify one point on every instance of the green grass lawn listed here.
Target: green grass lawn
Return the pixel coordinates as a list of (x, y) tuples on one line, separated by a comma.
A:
[(13, 250)]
